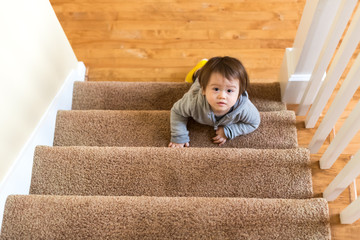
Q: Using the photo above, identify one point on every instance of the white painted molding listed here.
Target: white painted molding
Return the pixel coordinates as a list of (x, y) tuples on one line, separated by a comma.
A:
[(342, 17), (341, 59), (295, 88), (18, 178), (347, 90), (322, 19), (300, 60), (351, 213), (347, 131), (304, 26), (292, 85), (343, 179)]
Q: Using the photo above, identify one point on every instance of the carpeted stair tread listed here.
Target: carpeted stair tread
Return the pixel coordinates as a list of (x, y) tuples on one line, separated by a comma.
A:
[(157, 95), (101, 217), (152, 129), (189, 172)]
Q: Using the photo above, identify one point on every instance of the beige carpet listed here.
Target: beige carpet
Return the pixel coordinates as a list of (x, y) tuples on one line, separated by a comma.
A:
[(72, 217), (191, 172), (157, 96), (152, 129), (111, 176)]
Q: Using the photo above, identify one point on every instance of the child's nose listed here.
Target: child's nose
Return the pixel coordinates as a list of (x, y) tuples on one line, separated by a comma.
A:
[(222, 95)]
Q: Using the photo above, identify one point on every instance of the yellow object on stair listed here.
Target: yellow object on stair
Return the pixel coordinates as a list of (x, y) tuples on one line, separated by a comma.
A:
[(189, 76)]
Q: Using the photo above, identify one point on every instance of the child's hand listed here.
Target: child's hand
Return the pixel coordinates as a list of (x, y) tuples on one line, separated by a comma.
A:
[(220, 136), (178, 145)]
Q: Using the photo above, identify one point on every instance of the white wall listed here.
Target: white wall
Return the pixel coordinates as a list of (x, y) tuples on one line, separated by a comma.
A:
[(35, 60)]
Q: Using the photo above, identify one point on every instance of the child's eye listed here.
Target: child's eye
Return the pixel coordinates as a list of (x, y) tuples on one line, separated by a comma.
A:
[(216, 89), (229, 91)]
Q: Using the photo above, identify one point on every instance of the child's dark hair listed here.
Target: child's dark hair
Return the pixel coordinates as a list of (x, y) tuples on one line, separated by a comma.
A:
[(230, 68)]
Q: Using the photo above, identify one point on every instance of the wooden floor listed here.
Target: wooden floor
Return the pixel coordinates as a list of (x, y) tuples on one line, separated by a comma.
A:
[(161, 40), (322, 178)]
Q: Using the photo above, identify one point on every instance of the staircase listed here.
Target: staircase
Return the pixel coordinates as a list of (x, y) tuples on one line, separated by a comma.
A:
[(110, 175)]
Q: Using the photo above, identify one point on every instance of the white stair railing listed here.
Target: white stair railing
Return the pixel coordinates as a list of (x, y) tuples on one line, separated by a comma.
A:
[(299, 61), (343, 179), (347, 90), (348, 130), (351, 83), (341, 59), (351, 213), (342, 17)]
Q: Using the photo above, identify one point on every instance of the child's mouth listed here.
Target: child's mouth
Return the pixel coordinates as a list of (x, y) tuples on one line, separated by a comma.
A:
[(221, 103)]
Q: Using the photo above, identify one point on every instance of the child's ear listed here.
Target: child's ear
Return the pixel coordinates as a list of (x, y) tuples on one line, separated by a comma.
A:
[(203, 92)]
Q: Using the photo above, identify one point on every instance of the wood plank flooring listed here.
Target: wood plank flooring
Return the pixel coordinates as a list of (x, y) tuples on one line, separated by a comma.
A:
[(161, 40), (322, 178)]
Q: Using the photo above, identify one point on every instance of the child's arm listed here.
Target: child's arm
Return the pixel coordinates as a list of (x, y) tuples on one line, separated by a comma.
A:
[(248, 122), (179, 115)]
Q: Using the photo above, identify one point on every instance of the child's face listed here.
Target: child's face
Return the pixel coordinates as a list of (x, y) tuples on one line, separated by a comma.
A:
[(221, 93)]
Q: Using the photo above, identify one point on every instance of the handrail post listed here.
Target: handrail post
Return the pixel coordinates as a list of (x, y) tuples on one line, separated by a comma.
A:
[(299, 61), (351, 213), (341, 59), (343, 179), (347, 90), (348, 130), (342, 17)]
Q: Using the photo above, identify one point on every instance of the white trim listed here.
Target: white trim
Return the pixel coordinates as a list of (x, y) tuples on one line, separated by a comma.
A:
[(343, 179), (321, 22), (295, 88), (342, 17), (337, 67), (292, 86), (347, 132), (351, 213), (300, 61), (305, 23), (346, 92), (18, 178)]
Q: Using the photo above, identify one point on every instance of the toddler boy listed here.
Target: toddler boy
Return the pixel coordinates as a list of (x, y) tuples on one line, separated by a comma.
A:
[(217, 98)]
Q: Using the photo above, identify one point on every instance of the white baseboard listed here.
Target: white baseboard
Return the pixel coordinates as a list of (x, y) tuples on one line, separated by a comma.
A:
[(295, 88), (18, 178), (292, 85)]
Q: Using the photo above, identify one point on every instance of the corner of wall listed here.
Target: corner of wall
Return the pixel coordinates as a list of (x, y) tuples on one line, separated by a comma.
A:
[(18, 177), (292, 85)]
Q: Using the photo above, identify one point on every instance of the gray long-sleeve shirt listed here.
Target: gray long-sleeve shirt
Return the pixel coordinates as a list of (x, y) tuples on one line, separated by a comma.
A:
[(243, 119)]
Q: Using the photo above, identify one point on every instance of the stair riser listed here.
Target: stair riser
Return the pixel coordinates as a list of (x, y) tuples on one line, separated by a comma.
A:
[(157, 96)]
